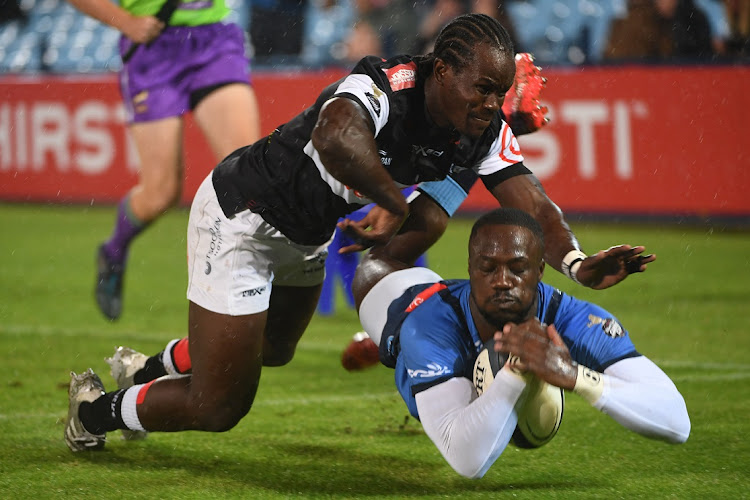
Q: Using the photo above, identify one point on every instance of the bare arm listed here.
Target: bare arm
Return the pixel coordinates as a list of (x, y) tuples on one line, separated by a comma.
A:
[(347, 148), (140, 29), (423, 227), (526, 193), (601, 270)]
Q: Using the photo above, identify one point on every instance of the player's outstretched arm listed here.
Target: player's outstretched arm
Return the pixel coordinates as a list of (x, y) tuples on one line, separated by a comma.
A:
[(562, 251), (346, 144), (424, 225), (526, 193), (633, 391)]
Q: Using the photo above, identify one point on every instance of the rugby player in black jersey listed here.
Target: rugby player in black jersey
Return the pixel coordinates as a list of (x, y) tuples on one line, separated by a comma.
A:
[(261, 222)]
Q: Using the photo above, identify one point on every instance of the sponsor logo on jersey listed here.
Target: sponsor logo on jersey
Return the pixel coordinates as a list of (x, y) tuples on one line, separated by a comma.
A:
[(425, 151), (385, 158), (373, 102), (610, 326), (433, 370), (403, 76), (253, 292)]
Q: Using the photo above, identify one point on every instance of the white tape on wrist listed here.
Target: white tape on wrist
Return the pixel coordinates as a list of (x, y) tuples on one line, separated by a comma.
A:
[(571, 262), (589, 384)]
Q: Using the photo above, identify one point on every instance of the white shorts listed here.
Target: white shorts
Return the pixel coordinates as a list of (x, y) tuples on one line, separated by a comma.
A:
[(373, 311), (232, 262)]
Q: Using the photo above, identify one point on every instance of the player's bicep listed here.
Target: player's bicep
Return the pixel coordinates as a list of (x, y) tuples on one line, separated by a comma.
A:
[(362, 90), (339, 122)]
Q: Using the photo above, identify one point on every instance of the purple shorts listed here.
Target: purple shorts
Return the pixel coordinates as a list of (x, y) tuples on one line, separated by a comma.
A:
[(160, 78)]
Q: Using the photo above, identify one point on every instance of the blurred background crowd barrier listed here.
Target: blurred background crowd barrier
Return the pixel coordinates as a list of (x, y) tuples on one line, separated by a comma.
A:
[(50, 36), (647, 97)]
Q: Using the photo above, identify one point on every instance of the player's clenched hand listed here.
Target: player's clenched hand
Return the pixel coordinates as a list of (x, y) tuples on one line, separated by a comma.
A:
[(540, 350), (609, 267), (375, 228), (142, 29), (522, 108)]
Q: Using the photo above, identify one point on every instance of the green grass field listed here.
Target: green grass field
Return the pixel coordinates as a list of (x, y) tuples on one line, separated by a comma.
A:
[(317, 431)]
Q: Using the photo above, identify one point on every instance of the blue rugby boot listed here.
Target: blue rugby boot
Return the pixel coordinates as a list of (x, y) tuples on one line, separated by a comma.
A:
[(109, 285)]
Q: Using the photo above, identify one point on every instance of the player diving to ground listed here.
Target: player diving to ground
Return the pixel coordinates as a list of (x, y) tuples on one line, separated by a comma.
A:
[(261, 222), (431, 332)]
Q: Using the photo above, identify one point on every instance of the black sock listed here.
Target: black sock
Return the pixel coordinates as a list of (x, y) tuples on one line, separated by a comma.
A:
[(103, 414), (153, 369)]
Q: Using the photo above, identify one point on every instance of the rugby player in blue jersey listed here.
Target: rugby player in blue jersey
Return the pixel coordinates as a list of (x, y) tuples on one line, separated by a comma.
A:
[(431, 332)]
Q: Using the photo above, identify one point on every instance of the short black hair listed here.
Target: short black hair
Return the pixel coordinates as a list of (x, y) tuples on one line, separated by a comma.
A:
[(458, 40), (508, 217)]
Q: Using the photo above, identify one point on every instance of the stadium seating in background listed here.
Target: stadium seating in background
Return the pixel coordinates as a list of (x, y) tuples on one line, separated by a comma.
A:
[(50, 36), (563, 31), (19, 49), (327, 26), (718, 21)]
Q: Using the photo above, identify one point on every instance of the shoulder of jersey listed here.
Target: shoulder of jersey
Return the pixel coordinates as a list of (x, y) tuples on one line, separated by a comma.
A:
[(400, 72)]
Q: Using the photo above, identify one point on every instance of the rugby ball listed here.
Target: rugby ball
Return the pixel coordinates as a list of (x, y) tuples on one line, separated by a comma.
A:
[(539, 414), (487, 365), (540, 408)]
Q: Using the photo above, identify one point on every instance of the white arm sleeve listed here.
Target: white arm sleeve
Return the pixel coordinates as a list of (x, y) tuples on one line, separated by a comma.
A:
[(641, 397), (471, 432)]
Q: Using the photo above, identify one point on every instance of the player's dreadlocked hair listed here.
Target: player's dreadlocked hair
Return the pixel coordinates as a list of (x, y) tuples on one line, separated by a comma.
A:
[(458, 40), (508, 217)]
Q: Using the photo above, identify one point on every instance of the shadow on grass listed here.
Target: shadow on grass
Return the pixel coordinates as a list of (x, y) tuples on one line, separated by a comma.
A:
[(289, 469)]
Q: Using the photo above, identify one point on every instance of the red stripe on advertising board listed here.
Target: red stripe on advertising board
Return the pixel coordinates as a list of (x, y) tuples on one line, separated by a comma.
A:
[(630, 139)]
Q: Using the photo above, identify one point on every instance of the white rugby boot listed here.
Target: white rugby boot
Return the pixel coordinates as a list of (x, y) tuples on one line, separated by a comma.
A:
[(124, 363), (84, 387)]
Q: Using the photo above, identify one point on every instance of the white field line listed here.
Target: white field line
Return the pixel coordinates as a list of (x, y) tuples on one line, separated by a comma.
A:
[(259, 403), (732, 371), (304, 345), (337, 399), (129, 337), (333, 399)]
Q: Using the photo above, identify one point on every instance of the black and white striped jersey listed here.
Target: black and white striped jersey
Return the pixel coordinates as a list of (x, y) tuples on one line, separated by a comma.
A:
[(282, 178)]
